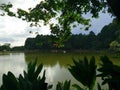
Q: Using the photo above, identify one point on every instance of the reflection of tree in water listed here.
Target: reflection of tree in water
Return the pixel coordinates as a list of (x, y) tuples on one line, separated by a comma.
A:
[(50, 59)]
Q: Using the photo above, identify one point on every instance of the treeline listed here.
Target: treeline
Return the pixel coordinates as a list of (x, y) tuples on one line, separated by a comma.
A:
[(108, 34), (108, 38), (5, 47)]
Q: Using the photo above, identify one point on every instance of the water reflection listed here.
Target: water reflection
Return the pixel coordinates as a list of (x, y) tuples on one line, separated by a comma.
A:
[(55, 66), (50, 59), (57, 74), (14, 62)]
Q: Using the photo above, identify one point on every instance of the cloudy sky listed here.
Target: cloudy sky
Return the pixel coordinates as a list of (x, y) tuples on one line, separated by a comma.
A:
[(15, 31)]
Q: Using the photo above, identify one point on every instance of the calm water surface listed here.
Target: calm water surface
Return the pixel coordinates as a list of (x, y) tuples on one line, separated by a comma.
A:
[(14, 62), (55, 64), (55, 69)]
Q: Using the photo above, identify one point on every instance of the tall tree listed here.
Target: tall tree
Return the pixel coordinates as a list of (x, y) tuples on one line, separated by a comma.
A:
[(67, 12)]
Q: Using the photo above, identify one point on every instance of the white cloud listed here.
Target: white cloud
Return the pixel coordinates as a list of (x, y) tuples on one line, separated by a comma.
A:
[(15, 31), (23, 4), (10, 28)]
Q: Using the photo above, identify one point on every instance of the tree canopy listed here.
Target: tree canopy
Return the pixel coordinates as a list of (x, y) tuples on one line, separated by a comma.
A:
[(68, 13), (108, 38)]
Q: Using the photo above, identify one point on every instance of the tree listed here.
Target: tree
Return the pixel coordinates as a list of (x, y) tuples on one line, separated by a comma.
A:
[(114, 6), (66, 12), (30, 44), (5, 47), (114, 45)]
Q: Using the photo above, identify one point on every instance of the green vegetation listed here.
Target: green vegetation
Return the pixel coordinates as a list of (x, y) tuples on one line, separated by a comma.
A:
[(69, 14), (85, 71), (63, 86), (110, 74), (66, 13), (29, 81), (107, 39), (5, 47), (103, 41), (18, 48)]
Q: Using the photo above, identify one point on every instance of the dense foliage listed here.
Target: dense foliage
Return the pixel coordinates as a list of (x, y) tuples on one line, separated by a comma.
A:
[(82, 69), (66, 12), (104, 40), (108, 38), (110, 74), (5, 47)]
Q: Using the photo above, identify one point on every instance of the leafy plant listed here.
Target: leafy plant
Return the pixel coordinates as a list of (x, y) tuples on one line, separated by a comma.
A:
[(110, 73), (99, 87), (29, 81), (63, 86), (10, 82), (84, 71), (77, 87)]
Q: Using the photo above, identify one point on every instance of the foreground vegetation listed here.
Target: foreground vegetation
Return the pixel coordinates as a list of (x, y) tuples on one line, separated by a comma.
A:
[(84, 71)]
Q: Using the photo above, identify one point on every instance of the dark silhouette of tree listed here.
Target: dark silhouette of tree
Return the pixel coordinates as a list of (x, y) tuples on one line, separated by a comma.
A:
[(114, 6)]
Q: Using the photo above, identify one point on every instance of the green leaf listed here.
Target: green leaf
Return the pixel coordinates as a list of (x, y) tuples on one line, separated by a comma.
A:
[(99, 87), (24, 83), (10, 82), (77, 87), (38, 70), (84, 72), (66, 85), (63, 86)]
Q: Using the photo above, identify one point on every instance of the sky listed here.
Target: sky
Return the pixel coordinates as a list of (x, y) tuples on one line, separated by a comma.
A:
[(15, 31)]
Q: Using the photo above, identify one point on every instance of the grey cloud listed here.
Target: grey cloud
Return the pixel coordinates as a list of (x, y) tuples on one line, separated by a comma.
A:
[(5, 39)]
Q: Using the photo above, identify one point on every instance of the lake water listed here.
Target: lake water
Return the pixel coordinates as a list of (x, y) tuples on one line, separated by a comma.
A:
[(55, 64)]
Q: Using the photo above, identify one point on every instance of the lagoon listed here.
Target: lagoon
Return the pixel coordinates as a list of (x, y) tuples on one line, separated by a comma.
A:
[(55, 64)]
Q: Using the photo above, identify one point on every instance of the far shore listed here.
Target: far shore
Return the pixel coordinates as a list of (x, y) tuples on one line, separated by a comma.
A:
[(62, 51)]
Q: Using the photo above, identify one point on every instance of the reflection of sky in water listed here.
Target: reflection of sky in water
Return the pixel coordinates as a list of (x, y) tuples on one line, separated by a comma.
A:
[(13, 62), (57, 74), (16, 63)]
